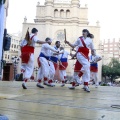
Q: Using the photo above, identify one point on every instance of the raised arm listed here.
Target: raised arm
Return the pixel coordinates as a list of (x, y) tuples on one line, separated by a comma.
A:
[(35, 38), (51, 48), (71, 45), (99, 59), (60, 52), (41, 42)]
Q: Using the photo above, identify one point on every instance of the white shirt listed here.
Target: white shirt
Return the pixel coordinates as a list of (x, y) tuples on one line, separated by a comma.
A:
[(88, 41), (52, 53), (34, 40), (94, 58), (64, 55), (46, 49)]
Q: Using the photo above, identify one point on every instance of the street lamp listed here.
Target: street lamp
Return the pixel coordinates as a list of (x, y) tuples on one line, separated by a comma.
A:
[(15, 61)]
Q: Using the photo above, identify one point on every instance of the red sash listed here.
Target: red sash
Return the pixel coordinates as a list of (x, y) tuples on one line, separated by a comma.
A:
[(77, 67), (63, 66), (26, 51), (84, 50)]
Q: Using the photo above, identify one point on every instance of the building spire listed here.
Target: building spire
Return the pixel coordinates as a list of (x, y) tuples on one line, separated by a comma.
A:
[(49, 1), (98, 23), (25, 19), (38, 3), (75, 2)]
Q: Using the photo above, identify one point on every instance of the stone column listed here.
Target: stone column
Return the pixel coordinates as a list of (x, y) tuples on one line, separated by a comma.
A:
[(49, 9), (75, 6)]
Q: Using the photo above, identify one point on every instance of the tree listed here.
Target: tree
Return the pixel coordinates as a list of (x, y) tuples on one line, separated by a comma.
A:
[(105, 71), (112, 70)]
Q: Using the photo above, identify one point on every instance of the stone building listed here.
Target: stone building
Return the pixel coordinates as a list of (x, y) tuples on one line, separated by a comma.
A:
[(111, 49), (56, 15)]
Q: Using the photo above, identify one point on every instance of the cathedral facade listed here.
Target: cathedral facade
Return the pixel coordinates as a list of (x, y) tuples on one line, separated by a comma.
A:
[(56, 15)]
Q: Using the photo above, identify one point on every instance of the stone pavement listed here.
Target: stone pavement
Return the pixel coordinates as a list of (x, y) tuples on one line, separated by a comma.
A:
[(58, 103)]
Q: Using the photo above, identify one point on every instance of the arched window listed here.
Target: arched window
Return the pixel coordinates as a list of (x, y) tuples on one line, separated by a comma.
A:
[(56, 13), (62, 13), (67, 13)]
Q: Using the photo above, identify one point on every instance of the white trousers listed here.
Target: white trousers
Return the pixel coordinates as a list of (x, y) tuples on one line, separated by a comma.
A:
[(74, 76), (39, 74), (85, 67), (62, 74), (28, 68), (46, 69), (52, 70), (94, 76)]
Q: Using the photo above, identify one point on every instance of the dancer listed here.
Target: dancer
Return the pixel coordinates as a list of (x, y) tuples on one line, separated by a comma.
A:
[(54, 57), (84, 43), (77, 69), (27, 55), (46, 69), (94, 67), (63, 63)]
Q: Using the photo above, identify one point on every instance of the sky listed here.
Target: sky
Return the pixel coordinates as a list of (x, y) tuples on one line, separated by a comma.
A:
[(104, 11)]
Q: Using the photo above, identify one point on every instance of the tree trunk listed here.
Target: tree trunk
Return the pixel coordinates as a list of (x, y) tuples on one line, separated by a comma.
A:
[(105, 79)]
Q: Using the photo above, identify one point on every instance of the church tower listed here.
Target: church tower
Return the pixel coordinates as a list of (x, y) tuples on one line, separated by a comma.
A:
[(75, 9), (49, 9)]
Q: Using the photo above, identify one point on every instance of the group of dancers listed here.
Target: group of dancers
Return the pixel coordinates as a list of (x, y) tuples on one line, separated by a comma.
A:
[(52, 57)]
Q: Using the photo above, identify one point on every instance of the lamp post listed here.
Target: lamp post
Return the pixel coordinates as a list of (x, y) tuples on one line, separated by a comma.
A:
[(36, 71), (15, 61)]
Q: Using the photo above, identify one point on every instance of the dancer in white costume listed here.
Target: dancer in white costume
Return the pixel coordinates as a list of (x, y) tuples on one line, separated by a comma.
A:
[(27, 55), (46, 69), (94, 67), (63, 63), (54, 57), (84, 43)]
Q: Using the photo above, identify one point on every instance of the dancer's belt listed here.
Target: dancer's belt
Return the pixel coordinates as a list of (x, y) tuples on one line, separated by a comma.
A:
[(94, 64), (26, 51), (54, 59), (63, 60), (42, 55)]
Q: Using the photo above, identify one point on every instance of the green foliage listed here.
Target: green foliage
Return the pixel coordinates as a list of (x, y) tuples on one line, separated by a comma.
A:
[(112, 70)]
